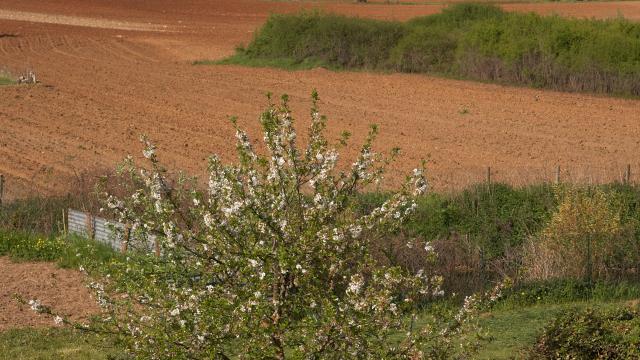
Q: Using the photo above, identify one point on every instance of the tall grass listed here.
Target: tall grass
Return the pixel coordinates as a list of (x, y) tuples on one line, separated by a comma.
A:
[(471, 41)]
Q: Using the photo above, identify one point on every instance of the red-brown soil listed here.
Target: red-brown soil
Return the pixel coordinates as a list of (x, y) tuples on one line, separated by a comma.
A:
[(110, 71), (62, 289)]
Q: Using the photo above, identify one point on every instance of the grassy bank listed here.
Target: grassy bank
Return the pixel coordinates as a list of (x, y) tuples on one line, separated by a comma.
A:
[(470, 41)]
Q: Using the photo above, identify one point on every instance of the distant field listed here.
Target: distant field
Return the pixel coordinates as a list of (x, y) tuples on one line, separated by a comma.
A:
[(102, 87)]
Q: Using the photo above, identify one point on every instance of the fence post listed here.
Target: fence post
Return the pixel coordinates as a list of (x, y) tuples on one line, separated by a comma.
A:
[(489, 175), (1, 188), (157, 246), (627, 175), (558, 174), (65, 222), (125, 241), (91, 227)]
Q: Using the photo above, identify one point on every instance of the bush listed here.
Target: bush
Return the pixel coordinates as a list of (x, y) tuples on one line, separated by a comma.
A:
[(332, 39), (466, 40), (272, 259), (587, 228), (38, 215), (591, 334)]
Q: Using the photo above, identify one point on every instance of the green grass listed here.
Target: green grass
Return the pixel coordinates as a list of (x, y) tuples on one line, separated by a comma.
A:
[(54, 344), (514, 331), (511, 332), (286, 64), (468, 41), (6, 81), (67, 251)]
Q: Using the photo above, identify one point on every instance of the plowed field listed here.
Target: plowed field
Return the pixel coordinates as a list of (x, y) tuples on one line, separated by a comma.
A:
[(110, 71)]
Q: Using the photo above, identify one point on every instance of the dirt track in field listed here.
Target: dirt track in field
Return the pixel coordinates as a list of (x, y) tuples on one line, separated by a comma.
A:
[(110, 71), (61, 289)]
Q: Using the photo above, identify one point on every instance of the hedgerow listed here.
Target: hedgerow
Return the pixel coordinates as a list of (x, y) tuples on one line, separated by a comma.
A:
[(472, 41)]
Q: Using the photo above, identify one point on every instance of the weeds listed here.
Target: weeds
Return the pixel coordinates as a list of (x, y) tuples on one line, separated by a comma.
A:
[(66, 251)]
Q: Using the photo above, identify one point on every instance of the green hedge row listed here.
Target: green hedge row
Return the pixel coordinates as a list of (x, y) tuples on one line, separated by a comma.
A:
[(499, 217), (472, 41)]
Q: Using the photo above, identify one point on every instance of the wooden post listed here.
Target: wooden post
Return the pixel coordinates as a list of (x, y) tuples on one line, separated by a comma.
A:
[(157, 243), (91, 227), (65, 221), (558, 174), (627, 175), (126, 238), (1, 188), (489, 175)]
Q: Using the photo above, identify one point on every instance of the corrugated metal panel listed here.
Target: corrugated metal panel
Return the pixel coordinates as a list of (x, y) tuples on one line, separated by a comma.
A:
[(82, 224), (77, 222), (102, 229)]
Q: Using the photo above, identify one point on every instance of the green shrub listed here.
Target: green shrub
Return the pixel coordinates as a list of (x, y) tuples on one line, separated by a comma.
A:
[(587, 228), (332, 39), (424, 50), (591, 334), (474, 41)]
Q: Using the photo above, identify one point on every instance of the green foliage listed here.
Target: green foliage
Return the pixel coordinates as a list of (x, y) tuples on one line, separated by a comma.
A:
[(495, 218), (6, 78), (587, 227), (591, 334), (23, 246), (512, 332), (474, 41), (330, 39)]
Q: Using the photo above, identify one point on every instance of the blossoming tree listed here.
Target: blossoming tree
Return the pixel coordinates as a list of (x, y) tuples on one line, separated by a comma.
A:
[(271, 260)]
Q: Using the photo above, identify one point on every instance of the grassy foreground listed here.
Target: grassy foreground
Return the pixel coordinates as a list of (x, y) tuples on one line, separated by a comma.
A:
[(471, 41), (512, 326), (511, 333), (497, 219), (54, 344)]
